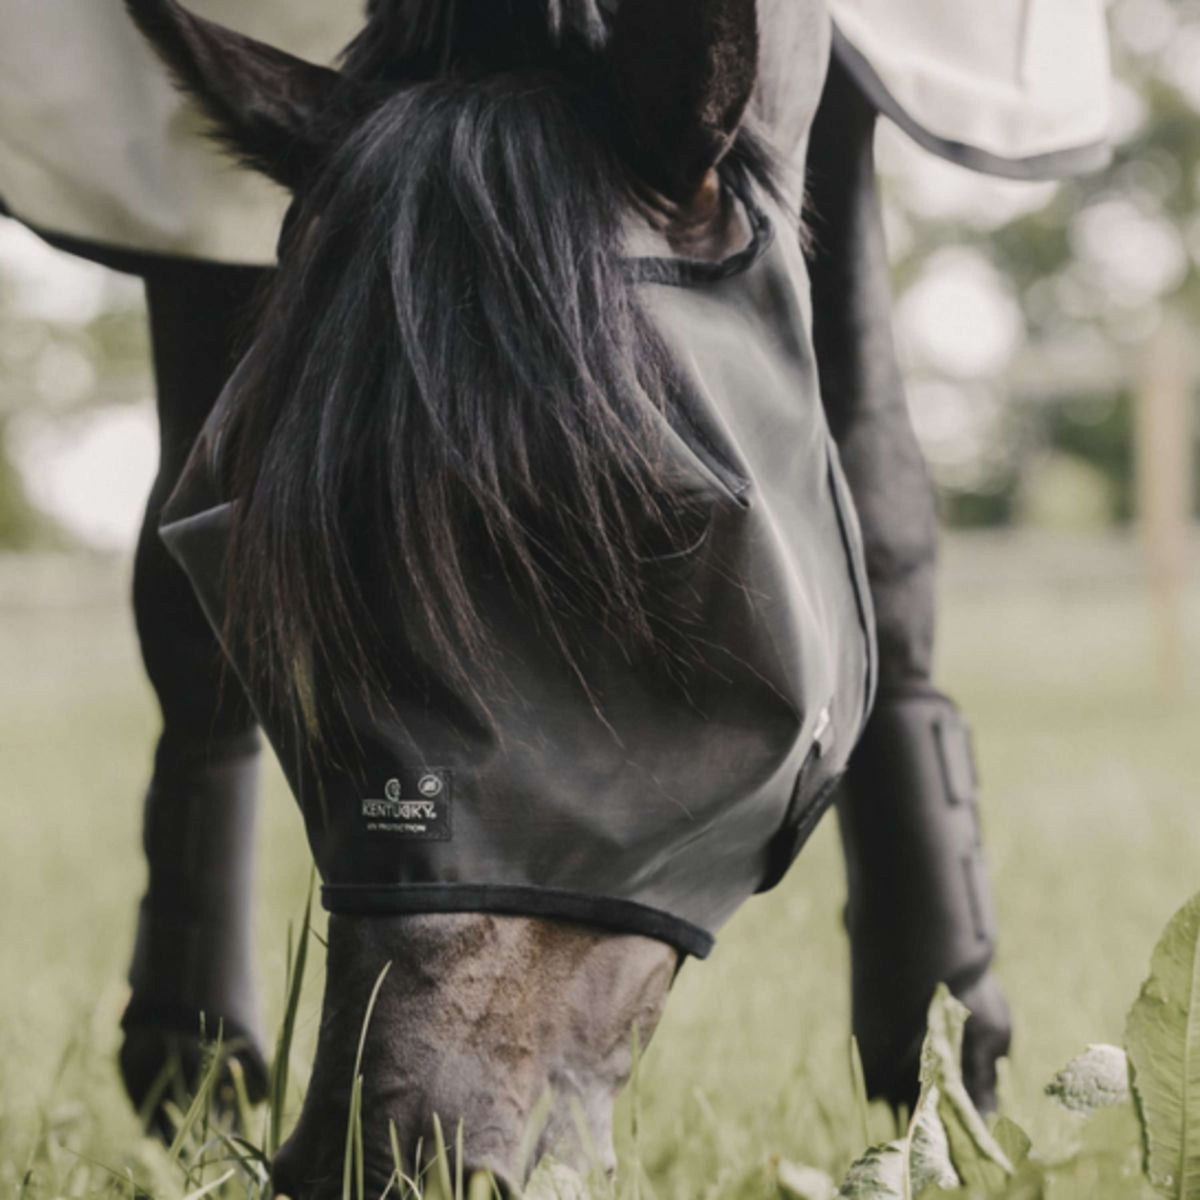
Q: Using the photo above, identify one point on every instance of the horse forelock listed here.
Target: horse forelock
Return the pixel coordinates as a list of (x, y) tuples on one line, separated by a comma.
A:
[(453, 379)]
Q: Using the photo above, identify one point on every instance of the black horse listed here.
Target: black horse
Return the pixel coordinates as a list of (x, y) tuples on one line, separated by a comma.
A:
[(457, 390)]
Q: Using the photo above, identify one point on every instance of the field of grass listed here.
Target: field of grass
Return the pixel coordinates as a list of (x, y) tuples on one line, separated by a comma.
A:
[(1090, 797)]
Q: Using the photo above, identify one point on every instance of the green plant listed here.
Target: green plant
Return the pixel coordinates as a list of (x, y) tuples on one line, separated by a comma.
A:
[(1139, 1108)]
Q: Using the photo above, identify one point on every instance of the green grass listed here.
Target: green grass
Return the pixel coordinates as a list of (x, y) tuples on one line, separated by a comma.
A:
[(1092, 825)]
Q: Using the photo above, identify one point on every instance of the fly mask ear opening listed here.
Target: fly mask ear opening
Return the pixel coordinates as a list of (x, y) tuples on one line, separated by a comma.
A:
[(681, 74), (277, 113)]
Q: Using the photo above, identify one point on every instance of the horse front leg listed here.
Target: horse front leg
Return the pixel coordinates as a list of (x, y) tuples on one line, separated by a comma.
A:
[(193, 955), (919, 909)]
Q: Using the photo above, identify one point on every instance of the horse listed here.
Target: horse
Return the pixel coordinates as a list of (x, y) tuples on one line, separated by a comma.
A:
[(467, 420)]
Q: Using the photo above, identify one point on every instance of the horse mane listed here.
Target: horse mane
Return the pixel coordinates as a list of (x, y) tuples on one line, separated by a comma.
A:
[(407, 40), (452, 388)]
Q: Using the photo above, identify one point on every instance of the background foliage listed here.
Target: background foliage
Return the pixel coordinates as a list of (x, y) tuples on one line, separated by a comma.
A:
[(1025, 310), (1024, 313)]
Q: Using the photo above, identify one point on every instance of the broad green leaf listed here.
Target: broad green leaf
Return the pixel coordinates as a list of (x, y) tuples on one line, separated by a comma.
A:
[(979, 1161), (798, 1182), (1096, 1079), (976, 1156), (929, 1162), (948, 1145), (878, 1175), (906, 1168), (1162, 1036), (1013, 1140)]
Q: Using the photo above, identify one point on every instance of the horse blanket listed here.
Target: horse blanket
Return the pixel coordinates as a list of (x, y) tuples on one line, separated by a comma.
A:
[(97, 148)]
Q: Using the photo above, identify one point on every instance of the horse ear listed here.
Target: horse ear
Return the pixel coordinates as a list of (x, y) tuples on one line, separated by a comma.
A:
[(682, 72), (273, 110)]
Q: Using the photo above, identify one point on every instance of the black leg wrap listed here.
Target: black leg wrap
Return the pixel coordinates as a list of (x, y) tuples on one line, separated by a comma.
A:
[(920, 908), (193, 960)]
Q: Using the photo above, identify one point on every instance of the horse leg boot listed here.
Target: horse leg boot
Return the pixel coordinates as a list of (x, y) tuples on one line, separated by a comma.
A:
[(477, 1020), (193, 956), (192, 974), (919, 911)]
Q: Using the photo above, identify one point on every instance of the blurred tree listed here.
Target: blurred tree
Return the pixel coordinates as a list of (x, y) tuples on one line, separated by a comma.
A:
[(1092, 266), (22, 526), (72, 338)]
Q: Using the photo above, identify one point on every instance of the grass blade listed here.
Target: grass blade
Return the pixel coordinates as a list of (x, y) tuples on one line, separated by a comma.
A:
[(354, 1139), (410, 1185), (241, 1097), (353, 1123), (362, 1034), (199, 1106), (277, 1088), (635, 1080), (441, 1160), (458, 1162), (482, 1186), (535, 1126), (251, 1159), (359, 1158), (209, 1188), (858, 1081)]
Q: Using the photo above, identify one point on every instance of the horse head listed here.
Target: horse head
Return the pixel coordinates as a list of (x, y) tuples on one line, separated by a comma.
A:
[(461, 188)]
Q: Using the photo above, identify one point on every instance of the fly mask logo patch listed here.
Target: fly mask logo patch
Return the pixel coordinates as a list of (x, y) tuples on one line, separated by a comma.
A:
[(415, 804)]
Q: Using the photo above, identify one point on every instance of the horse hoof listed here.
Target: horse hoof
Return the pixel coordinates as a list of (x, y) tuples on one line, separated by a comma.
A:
[(163, 1068), (987, 1037)]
